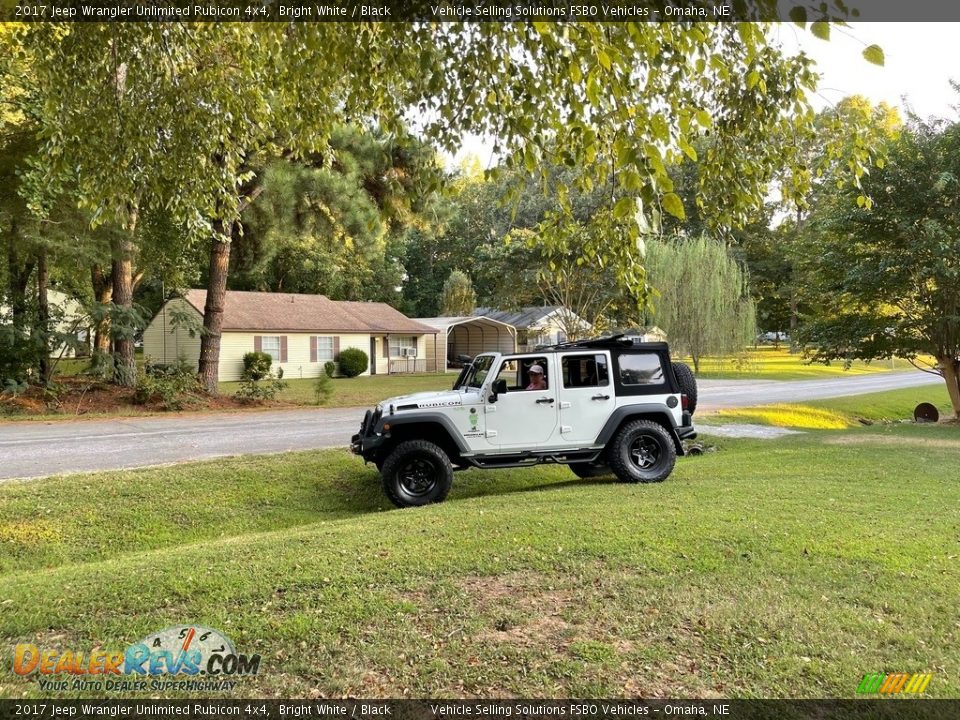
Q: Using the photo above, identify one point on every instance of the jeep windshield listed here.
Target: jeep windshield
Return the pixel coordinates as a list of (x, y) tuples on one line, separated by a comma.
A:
[(475, 373)]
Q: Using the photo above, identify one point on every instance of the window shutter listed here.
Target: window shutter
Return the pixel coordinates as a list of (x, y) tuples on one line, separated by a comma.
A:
[(386, 346), (313, 348), (283, 348), (336, 347), (257, 343)]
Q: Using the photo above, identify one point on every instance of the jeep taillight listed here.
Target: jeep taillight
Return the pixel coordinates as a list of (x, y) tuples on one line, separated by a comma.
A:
[(684, 402)]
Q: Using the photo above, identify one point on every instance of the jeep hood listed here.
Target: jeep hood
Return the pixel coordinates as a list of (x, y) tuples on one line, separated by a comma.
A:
[(442, 398)]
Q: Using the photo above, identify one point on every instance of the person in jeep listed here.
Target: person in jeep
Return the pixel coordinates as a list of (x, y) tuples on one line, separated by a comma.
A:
[(537, 381), (611, 407)]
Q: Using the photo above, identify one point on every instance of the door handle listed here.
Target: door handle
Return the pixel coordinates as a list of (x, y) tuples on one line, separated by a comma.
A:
[(600, 397), (540, 401)]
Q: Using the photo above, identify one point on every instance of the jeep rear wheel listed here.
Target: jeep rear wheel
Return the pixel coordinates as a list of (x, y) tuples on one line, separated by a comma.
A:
[(642, 451), (590, 470), (416, 472)]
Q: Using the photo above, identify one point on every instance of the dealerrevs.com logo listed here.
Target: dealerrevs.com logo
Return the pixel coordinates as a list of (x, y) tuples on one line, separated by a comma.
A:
[(184, 657), (890, 684)]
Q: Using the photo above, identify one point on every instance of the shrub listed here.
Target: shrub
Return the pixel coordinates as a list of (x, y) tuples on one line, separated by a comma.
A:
[(353, 361), (330, 368), (258, 384), (254, 391), (322, 388), (172, 386), (256, 365)]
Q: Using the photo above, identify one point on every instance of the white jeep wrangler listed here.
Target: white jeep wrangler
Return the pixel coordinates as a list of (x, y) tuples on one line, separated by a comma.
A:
[(603, 406)]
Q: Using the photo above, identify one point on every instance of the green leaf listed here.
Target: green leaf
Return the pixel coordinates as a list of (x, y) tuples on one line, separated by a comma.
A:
[(874, 54), (703, 117), (576, 74), (529, 159), (674, 205), (821, 30), (798, 15), (660, 128), (603, 59), (624, 207)]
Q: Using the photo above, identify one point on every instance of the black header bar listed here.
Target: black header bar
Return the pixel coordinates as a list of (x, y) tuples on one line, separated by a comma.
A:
[(210, 709), (476, 10)]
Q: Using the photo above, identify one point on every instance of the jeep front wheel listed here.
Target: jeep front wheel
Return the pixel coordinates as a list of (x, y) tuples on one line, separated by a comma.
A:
[(416, 472), (642, 451)]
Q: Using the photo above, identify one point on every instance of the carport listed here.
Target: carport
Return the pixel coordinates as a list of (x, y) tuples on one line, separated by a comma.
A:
[(468, 336)]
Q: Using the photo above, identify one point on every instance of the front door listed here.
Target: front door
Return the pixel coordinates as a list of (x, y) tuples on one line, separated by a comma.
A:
[(524, 416), (586, 397), (373, 356)]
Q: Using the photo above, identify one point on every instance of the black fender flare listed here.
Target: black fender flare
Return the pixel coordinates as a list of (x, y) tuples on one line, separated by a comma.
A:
[(414, 417), (644, 411)]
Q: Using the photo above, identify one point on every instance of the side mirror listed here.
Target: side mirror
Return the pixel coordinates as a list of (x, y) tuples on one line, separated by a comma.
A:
[(499, 388)]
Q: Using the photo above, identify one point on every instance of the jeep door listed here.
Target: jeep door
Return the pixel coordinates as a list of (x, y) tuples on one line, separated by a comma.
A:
[(522, 418), (586, 397)]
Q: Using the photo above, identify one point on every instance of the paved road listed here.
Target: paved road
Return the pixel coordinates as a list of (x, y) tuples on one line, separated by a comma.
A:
[(38, 449)]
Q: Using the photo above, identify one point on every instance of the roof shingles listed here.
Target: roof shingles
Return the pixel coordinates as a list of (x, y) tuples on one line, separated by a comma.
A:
[(294, 312)]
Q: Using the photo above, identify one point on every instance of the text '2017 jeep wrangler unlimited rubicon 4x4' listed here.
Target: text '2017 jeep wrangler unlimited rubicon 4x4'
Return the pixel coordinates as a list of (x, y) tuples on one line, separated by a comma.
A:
[(601, 406)]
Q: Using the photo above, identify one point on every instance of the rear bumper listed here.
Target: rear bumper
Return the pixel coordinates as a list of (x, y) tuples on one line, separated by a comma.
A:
[(686, 431)]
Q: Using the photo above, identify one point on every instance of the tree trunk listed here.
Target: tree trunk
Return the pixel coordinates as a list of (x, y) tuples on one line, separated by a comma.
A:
[(124, 362), (43, 316), (950, 368), (794, 321), (213, 310), (18, 278), (103, 294)]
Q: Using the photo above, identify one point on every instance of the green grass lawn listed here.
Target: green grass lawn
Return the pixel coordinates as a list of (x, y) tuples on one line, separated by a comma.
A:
[(360, 391), (770, 363), (786, 568), (841, 412)]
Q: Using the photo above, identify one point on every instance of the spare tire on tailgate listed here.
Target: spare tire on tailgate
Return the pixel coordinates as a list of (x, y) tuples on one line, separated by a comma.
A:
[(688, 384)]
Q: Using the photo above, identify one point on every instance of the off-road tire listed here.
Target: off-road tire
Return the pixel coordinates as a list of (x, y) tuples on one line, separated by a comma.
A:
[(642, 451), (590, 470), (688, 384), (416, 472)]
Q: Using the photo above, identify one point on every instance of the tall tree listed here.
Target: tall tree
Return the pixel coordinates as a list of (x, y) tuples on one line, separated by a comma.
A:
[(885, 280), (704, 303), (458, 297), (598, 96), (329, 223)]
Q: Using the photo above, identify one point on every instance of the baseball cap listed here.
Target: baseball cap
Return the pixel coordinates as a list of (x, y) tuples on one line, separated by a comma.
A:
[(536, 369)]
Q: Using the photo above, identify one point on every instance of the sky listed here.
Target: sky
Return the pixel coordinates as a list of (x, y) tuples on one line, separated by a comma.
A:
[(921, 58)]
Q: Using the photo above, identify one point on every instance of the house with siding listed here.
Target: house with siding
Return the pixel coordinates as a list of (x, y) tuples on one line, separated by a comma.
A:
[(300, 332)]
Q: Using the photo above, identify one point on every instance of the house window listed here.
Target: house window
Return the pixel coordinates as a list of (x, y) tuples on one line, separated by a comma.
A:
[(324, 348), (270, 344), (403, 346)]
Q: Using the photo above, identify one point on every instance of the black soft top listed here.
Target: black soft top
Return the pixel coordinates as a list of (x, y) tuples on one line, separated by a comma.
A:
[(613, 342)]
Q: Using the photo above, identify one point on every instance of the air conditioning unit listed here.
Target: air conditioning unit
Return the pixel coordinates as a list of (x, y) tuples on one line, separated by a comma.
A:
[(408, 352)]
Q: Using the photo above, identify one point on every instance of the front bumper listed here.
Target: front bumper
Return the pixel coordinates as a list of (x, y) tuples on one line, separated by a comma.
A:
[(366, 442)]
